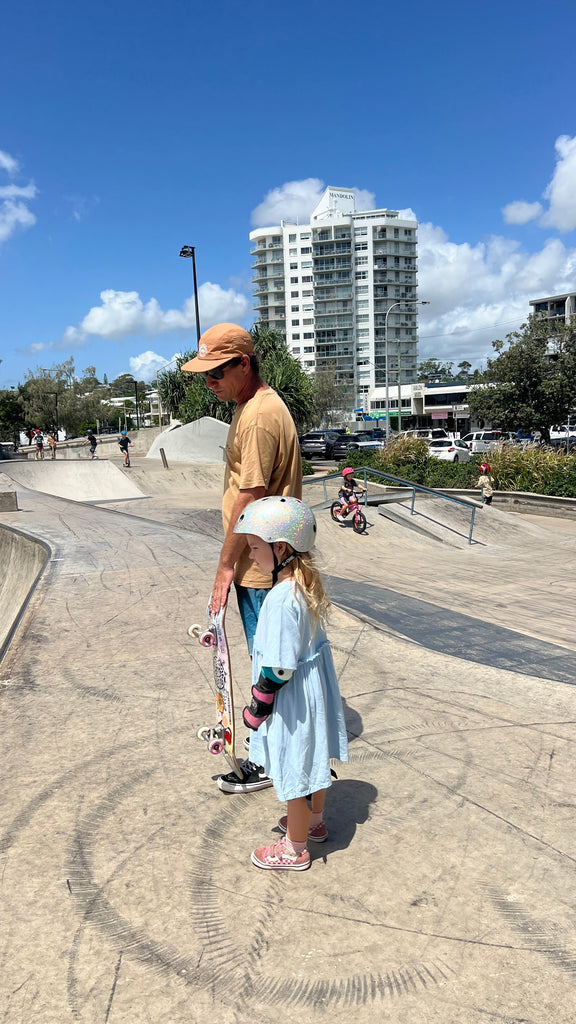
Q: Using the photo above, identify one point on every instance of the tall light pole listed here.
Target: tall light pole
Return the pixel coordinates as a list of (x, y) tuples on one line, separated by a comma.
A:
[(188, 252), (402, 302)]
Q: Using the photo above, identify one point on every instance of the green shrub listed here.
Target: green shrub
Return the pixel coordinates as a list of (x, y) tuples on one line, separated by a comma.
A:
[(535, 469), (307, 468)]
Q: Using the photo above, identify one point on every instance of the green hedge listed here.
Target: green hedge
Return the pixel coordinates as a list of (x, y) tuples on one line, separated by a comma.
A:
[(533, 469)]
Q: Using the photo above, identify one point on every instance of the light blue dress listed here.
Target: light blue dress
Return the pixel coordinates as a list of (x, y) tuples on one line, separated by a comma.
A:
[(306, 727)]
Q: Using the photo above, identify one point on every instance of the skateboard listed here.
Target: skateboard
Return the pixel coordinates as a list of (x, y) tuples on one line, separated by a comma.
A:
[(220, 738)]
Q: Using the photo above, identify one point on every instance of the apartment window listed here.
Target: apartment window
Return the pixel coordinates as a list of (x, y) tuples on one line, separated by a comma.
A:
[(306, 265), (293, 295), (295, 323), (362, 318), (361, 261), (363, 332), (308, 348), (360, 231), (294, 309), (308, 321), (291, 238), (293, 280), (296, 337), (294, 266), (310, 334), (361, 275), (396, 232), (305, 235), (307, 295), (407, 233), (308, 309), (306, 280), (305, 250), (293, 252), (361, 246), (296, 350), (362, 304)]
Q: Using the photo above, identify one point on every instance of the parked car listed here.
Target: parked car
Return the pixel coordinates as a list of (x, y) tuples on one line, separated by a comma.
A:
[(448, 450), (342, 444), (426, 433), (318, 443), (375, 444), (480, 441)]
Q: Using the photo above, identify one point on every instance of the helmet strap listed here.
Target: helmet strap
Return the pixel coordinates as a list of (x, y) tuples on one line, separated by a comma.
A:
[(278, 566)]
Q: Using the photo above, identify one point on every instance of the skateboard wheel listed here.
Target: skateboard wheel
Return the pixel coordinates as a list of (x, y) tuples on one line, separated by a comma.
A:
[(195, 631), (216, 746), (204, 734), (207, 638)]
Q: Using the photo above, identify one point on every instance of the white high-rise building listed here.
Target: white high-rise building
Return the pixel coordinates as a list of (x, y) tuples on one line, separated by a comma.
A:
[(329, 285)]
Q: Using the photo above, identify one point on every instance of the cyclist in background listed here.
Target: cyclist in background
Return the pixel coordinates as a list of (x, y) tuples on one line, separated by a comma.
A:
[(346, 492)]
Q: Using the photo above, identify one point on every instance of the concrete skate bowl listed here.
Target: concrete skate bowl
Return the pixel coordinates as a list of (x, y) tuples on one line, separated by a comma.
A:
[(203, 440), (22, 560), (76, 479)]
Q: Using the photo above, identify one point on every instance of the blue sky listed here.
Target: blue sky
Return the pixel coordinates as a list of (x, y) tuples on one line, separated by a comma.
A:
[(129, 129)]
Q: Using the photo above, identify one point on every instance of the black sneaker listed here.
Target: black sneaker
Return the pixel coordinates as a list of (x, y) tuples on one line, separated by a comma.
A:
[(253, 778)]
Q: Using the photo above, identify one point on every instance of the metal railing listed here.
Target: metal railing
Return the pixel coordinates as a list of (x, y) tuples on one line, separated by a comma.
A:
[(367, 470)]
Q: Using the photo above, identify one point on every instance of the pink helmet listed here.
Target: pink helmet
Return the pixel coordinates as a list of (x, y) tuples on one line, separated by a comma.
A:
[(348, 471)]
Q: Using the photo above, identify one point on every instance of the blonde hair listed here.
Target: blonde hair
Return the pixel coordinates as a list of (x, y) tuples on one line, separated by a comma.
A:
[(310, 587)]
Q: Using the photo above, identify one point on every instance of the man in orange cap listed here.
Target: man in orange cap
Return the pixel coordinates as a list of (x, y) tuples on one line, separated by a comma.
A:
[(262, 458)]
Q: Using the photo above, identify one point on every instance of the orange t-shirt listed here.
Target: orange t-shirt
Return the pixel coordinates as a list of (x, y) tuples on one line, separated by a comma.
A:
[(262, 450)]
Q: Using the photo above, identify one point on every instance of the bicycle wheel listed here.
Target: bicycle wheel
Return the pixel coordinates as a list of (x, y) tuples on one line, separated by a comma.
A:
[(359, 522), (334, 510)]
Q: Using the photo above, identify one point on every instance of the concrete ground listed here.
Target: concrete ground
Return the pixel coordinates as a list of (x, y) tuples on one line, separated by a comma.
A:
[(446, 892)]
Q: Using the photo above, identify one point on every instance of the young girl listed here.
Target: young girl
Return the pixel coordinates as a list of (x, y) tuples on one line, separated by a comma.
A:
[(296, 706), (347, 488), (485, 483)]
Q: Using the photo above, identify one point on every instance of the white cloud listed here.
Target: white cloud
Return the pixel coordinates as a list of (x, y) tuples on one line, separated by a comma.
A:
[(295, 200), (520, 212), (8, 163), (14, 214), (124, 315), (562, 189), (292, 201), (481, 292), (145, 365)]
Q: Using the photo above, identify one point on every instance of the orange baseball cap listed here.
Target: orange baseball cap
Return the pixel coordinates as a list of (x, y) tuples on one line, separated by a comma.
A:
[(219, 344)]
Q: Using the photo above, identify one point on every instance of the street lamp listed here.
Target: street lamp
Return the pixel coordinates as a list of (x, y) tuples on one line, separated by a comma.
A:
[(55, 394), (187, 251), (159, 370), (402, 302)]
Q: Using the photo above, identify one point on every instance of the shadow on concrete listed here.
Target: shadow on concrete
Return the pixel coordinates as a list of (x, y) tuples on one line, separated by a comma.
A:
[(453, 633)]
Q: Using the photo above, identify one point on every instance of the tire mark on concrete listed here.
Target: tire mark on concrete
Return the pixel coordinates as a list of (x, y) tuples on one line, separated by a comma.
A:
[(541, 936)]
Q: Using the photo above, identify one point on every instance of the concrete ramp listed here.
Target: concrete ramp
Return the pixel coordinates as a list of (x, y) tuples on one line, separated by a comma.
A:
[(22, 559), (79, 480), (449, 523), (203, 440)]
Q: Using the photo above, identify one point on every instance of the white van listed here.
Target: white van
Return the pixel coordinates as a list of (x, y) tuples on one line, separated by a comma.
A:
[(480, 441), (427, 433)]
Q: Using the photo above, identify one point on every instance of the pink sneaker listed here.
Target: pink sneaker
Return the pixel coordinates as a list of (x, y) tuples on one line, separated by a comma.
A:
[(318, 834), (277, 857)]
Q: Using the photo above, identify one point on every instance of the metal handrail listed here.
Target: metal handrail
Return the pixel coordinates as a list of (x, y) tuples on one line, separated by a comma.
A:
[(403, 483)]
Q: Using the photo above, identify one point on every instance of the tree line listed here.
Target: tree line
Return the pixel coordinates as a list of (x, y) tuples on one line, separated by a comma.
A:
[(528, 384)]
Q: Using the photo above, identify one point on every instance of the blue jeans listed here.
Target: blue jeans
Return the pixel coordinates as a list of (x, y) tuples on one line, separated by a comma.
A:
[(250, 602)]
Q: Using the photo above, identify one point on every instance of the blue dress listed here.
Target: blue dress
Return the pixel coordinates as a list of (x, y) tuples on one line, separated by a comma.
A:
[(306, 727)]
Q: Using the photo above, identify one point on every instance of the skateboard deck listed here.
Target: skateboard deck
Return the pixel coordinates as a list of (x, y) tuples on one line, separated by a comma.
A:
[(220, 737)]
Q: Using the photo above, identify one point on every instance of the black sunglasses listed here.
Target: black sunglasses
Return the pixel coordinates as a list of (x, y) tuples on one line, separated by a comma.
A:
[(218, 372)]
